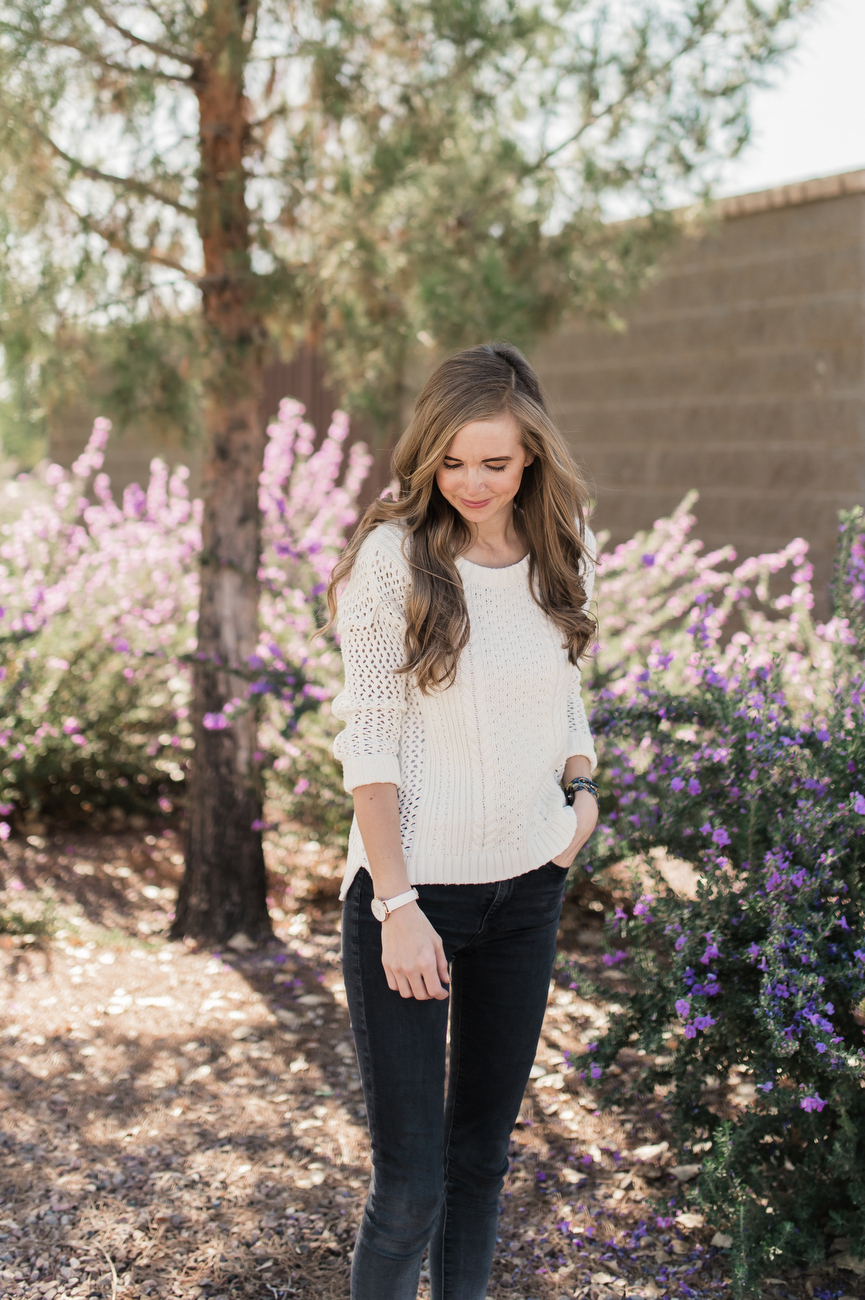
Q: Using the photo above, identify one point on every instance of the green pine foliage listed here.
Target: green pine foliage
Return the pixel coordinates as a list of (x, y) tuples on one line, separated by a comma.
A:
[(416, 177)]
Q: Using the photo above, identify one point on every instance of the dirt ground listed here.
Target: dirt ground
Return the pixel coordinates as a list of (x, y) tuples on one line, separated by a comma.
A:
[(176, 1122)]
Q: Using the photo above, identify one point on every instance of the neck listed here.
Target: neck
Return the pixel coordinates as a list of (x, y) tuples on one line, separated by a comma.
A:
[(495, 534), (495, 542)]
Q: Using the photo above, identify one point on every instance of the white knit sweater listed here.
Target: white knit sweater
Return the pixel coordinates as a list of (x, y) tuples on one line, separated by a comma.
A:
[(478, 765)]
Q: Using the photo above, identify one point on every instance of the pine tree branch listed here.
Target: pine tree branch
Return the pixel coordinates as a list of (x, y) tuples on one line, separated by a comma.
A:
[(127, 183), (652, 73), (154, 46), (121, 244), (125, 246), (94, 56)]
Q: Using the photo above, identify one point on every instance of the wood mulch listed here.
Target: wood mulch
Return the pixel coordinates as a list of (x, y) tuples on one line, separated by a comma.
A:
[(176, 1122)]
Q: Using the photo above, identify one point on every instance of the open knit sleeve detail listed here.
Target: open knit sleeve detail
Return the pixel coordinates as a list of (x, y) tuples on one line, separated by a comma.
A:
[(371, 625), (579, 735)]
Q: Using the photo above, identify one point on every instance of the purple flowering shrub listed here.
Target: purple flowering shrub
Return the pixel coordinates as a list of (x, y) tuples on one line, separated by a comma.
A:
[(98, 610), (763, 971), (665, 606)]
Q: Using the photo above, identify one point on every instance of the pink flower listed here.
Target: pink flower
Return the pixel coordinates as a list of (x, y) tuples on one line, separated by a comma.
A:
[(215, 721), (4, 831), (812, 1103)]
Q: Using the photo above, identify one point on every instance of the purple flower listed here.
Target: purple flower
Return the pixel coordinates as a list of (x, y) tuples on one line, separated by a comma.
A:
[(710, 953), (812, 1103), (765, 1087), (215, 721), (677, 783), (754, 951), (690, 1031), (683, 1008), (720, 836), (694, 786), (859, 804), (821, 1048), (596, 1072), (648, 561), (705, 1022), (706, 829)]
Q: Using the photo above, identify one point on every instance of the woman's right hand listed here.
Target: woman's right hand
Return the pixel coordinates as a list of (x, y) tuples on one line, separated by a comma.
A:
[(413, 955)]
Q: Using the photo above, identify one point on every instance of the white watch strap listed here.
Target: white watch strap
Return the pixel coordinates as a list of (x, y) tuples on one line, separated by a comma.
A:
[(400, 900)]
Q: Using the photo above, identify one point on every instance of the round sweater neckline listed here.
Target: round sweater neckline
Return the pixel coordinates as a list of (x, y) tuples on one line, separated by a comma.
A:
[(510, 576)]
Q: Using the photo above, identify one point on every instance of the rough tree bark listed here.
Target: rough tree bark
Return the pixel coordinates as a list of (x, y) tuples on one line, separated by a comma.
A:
[(223, 891)]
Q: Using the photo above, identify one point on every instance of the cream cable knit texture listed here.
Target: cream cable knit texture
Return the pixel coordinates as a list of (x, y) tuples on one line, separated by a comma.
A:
[(477, 765)]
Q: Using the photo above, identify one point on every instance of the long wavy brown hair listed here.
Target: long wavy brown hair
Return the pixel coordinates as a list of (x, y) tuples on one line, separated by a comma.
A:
[(479, 383)]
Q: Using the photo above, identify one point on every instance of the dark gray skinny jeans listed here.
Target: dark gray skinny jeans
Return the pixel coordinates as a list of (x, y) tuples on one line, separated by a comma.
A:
[(439, 1164)]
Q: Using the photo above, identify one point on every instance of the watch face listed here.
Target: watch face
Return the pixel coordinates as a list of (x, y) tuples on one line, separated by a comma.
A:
[(379, 909)]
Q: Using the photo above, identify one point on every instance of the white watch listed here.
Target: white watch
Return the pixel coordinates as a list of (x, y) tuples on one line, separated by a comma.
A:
[(382, 907)]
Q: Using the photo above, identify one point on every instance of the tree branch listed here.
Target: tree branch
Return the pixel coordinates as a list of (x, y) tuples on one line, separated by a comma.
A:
[(122, 245), (154, 46), (686, 47), (124, 182), (125, 246), (96, 57)]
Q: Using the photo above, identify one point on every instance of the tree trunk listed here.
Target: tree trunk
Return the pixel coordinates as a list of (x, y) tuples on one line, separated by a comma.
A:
[(223, 891)]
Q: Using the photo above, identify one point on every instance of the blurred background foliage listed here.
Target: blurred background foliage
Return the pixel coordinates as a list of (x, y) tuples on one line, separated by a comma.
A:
[(417, 177)]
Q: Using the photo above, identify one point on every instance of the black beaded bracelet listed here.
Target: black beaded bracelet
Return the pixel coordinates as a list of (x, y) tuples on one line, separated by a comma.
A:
[(582, 783)]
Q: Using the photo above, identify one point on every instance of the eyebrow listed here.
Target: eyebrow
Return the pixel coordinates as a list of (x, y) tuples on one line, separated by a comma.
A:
[(485, 459)]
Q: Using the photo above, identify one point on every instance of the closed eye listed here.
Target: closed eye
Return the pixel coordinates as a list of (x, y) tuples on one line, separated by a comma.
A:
[(487, 465)]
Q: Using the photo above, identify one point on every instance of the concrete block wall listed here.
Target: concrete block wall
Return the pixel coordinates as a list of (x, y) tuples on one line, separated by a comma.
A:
[(741, 373)]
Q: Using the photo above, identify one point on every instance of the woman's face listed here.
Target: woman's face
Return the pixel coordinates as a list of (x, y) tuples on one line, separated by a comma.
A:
[(482, 470)]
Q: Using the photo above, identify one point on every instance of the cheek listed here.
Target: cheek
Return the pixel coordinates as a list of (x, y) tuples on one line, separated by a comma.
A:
[(509, 482)]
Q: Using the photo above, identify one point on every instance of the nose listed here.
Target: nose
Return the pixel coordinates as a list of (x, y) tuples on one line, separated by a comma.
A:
[(475, 485)]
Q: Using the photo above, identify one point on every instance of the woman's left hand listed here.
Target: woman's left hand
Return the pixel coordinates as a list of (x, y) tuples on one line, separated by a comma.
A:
[(587, 819)]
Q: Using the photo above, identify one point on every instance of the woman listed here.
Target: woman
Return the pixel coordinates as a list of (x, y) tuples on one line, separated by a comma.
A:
[(462, 625)]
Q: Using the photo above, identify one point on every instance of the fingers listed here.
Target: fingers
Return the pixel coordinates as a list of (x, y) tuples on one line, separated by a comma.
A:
[(413, 957), (421, 981)]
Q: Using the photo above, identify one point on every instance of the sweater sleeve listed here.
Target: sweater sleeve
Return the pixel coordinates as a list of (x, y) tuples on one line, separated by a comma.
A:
[(372, 704), (579, 736)]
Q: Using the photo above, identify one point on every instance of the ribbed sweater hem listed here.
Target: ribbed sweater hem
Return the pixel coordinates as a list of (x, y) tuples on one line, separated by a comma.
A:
[(483, 868)]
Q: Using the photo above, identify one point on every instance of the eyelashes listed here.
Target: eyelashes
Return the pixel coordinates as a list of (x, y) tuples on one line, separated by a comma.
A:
[(496, 469)]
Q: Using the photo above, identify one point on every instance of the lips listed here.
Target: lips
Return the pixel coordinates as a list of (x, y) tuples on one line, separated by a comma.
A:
[(475, 505)]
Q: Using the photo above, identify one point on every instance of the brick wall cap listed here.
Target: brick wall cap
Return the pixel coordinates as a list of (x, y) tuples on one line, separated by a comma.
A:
[(792, 195)]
